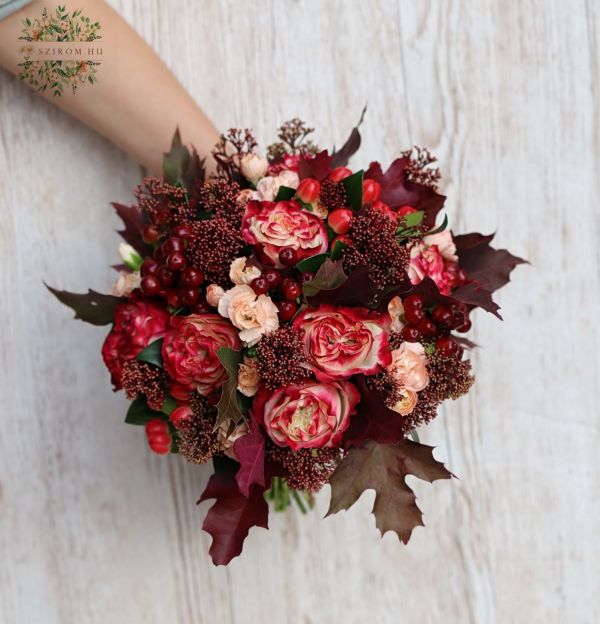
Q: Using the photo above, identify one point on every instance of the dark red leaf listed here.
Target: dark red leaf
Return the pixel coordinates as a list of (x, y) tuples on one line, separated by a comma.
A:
[(132, 232), (232, 516), (91, 307), (384, 468), (356, 290), (474, 295), (489, 267), (317, 167), (250, 452), (341, 157), (194, 174)]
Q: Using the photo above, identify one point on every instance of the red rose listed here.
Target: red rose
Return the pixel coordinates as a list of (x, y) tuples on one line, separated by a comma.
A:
[(307, 415), (190, 350), (136, 325), (283, 225), (341, 342)]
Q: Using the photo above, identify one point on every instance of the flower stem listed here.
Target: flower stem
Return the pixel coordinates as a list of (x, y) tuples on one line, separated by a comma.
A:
[(298, 500)]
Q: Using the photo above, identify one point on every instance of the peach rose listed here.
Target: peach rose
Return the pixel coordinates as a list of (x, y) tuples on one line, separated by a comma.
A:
[(252, 315), (214, 292), (126, 283), (248, 377), (445, 244), (396, 312), (245, 196), (408, 366), (268, 187), (253, 167), (241, 272), (406, 404)]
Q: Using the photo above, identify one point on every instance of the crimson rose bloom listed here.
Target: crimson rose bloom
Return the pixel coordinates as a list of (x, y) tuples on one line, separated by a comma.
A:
[(283, 225), (341, 342), (190, 350), (308, 414), (136, 325)]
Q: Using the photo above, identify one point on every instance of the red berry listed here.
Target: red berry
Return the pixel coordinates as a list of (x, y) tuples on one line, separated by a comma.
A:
[(413, 301), (406, 210), (342, 238), (173, 244), (306, 276), (159, 255), (465, 327), (150, 285), (339, 173), (160, 443), (165, 276), (189, 296), (290, 289), (180, 414), (447, 347), (176, 261), (382, 207), (413, 315), (150, 234), (202, 307), (427, 328), (174, 299), (260, 285), (162, 216), (308, 190), (148, 267), (461, 277), (410, 334), (287, 309), (273, 278), (340, 220), (156, 426), (443, 315), (288, 257), (182, 231), (191, 277), (371, 191)]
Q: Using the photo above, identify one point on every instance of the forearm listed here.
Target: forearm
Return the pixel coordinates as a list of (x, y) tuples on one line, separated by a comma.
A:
[(136, 102)]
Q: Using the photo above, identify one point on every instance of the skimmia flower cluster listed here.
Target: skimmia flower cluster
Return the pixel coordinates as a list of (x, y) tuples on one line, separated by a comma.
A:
[(293, 321)]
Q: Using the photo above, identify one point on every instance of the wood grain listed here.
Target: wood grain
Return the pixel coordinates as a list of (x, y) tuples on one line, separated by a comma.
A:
[(95, 529)]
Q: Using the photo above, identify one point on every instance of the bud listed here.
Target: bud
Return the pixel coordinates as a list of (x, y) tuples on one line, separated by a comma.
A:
[(214, 292), (130, 257), (340, 220), (371, 191), (308, 190), (253, 167), (339, 173)]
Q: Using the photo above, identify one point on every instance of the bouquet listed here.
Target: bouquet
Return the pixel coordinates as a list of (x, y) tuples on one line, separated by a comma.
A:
[(294, 322)]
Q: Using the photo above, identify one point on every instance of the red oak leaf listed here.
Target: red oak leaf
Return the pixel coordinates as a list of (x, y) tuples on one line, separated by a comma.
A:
[(384, 468), (132, 232), (250, 452), (317, 167), (341, 157), (231, 517)]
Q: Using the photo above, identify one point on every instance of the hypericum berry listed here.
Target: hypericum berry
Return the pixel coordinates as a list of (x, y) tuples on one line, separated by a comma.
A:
[(413, 314), (273, 278), (176, 261), (202, 307), (189, 296), (287, 309), (149, 267), (340, 220), (160, 443), (260, 285), (371, 191), (308, 190), (306, 276), (406, 210), (174, 299), (150, 286), (165, 276), (180, 414), (288, 257), (150, 234), (156, 426), (465, 327), (159, 255), (173, 244), (413, 301), (410, 334), (191, 277), (427, 328), (342, 238), (384, 208), (182, 231), (339, 173), (447, 347), (162, 216), (443, 315), (290, 289)]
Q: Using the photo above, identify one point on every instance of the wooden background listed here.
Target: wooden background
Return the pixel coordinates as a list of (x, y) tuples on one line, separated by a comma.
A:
[(94, 528)]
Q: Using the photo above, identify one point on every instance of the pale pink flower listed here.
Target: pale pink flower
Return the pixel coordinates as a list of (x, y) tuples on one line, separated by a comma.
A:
[(241, 272), (214, 292), (408, 366)]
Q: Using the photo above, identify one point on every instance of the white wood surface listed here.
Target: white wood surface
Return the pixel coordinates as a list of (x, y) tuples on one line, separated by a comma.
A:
[(95, 529)]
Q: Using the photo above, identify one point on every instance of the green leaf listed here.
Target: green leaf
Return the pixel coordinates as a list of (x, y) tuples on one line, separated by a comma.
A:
[(330, 275), (169, 405), (176, 160), (284, 193), (338, 248), (441, 227), (413, 219), (229, 407), (354, 189), (152, 353), (311, 264), (91, 307), (139, 413)]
